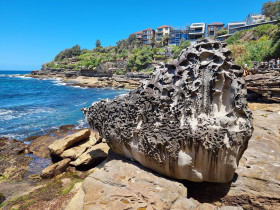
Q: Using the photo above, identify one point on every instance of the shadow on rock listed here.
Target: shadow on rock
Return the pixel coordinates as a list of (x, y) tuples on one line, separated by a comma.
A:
[(208, 192)]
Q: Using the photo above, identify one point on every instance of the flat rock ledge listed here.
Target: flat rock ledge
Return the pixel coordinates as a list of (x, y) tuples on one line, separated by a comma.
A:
[(189, 121), (123, 184)]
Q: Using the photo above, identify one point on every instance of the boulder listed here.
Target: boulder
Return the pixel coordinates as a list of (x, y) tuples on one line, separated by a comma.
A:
[(59, 146), (92, 156), (77, 151), (39, 146), (55, 169), (189, 121)]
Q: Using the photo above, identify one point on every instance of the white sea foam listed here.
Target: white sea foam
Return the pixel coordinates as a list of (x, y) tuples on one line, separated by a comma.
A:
[(81, 124), (58, 82), (19, 76), (14, 136), (121, 95), (5, 112), (81, 104)]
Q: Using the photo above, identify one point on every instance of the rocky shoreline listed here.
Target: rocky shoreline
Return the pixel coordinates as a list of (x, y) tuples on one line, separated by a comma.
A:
[(263, 86), (75, 79), (255, 185)]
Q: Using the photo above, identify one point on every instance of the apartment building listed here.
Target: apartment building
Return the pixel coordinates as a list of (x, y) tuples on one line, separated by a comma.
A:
[(161, 31), (255, 18), (139, 36), (176, 34), (213, 28), (197, 31), (148, 34), (230, 27), (242, 28)]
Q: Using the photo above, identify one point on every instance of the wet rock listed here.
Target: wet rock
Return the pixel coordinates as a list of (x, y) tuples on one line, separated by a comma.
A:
[(55, 169), (92, 156), (11, 147), (13, 163), (59, 146), (189, 121), (39, 146)]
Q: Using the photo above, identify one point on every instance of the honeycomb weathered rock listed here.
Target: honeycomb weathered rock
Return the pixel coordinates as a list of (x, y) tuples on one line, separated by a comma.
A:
[(189, 121)]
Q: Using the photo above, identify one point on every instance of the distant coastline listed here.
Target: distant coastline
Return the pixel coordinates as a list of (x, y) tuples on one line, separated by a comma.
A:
[(32, 107)]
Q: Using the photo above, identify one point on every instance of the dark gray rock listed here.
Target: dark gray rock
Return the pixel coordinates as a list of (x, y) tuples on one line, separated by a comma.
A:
[(189, 121), (1, 198)]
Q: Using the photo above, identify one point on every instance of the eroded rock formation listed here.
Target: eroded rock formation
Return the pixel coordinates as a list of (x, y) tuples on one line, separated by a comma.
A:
[(264, 86), (189, 121)]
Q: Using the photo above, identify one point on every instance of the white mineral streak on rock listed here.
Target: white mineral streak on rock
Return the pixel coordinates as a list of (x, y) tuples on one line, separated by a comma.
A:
[(189, 121)]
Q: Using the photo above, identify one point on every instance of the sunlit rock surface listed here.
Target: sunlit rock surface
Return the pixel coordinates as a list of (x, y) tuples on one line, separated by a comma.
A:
[(189, 121)]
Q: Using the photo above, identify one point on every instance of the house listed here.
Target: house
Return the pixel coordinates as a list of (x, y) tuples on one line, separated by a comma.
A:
[(254, 18), (139, 36), (245, 27), (197, 31), (148, 34), (161, 31), (176, 34), (242, 28), (233, 25), (213, 28)]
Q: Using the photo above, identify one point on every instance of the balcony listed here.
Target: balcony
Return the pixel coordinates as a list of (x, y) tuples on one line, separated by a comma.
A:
[(196, 31)]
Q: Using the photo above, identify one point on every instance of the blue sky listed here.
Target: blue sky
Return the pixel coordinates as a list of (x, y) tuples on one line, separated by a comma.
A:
[(32, 32)]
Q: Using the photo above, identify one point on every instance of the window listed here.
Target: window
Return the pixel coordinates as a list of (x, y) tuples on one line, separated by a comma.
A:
[(212, 28), (220, 28), (166, 28)]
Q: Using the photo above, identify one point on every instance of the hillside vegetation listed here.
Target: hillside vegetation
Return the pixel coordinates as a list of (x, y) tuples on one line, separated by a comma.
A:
[(257, 44), (138, 57)]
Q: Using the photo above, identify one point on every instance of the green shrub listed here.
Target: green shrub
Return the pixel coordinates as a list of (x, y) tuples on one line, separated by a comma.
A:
[(121, 72), (159, 57), (68, 53)]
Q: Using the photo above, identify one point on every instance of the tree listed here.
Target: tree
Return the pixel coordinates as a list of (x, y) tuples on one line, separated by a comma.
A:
[(131, 38), (68, 53), (153, 42), (165, 40), (76, 50), (271, 9), (182, 41), (97, 43), (221, 32), (183, 45)]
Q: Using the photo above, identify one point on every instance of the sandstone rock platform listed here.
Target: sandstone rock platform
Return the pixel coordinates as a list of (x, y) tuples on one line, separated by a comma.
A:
[(256, 183)]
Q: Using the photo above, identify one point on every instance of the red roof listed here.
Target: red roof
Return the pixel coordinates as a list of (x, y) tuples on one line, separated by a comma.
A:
[(138, 32), (164, 26), (216, 24), (148, 29)]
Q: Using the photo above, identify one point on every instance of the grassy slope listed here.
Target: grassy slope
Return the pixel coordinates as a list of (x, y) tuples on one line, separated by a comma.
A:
[(255, 44)]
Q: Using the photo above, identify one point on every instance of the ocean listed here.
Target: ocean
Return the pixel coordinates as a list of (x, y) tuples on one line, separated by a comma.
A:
[(30, 107)]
